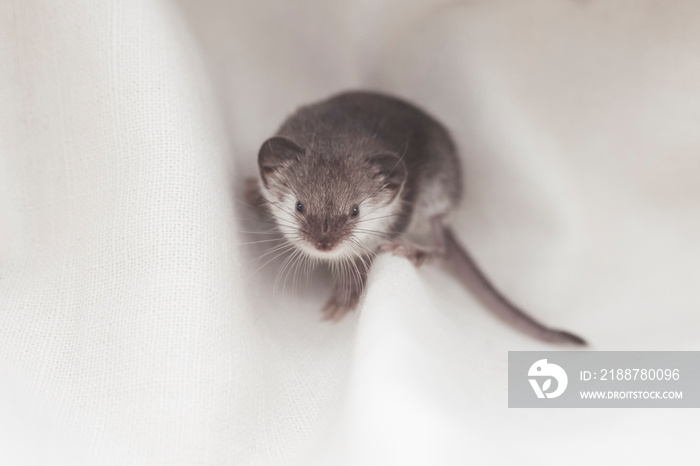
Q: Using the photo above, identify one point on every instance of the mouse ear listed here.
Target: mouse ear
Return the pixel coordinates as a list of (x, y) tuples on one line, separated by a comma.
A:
[(275, 153), (390, 170)]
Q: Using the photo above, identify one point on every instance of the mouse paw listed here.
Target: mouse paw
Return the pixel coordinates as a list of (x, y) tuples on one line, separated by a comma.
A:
[(336, 308), (415, 254), (251, 193)]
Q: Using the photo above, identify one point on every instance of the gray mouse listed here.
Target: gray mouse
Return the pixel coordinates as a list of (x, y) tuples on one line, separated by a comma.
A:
[(358, 174)]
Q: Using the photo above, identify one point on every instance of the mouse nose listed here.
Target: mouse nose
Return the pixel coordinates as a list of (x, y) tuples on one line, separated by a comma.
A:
[(324, 245)]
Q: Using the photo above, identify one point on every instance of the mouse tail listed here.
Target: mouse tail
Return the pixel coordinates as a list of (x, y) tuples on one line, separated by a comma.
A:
[(480, 286)]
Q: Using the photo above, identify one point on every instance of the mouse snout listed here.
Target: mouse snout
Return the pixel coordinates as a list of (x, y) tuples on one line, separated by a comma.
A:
[(324, 244), (324, 233)]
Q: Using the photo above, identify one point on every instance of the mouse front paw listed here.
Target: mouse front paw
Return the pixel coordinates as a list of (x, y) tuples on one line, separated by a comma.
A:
[(338, 306), (415, 254), (251, 193)]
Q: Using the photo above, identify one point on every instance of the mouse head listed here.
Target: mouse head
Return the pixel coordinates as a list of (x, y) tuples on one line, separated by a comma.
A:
[(330, 205)]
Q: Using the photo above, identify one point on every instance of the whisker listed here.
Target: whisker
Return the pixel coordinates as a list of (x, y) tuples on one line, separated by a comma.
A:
[(377, 218), (383, 236), (276, 248), (293, 270), (260, 241), (263, 220), (289, 246), (249, 232), (281, 271), (357, 242)]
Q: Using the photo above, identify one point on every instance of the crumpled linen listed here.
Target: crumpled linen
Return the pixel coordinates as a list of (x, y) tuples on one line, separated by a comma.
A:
[(137, 326)]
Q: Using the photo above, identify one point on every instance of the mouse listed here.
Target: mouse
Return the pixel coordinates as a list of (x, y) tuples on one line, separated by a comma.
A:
[(362, 173)]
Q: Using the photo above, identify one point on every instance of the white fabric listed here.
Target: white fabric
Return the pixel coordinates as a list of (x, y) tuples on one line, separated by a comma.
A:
[(133, 330)]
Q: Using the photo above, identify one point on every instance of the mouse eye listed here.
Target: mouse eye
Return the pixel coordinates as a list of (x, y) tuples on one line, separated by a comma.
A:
[(355, 211), (300, 207)]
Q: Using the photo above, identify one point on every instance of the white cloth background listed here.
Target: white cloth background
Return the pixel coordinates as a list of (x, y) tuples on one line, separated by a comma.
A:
[(132, 331)]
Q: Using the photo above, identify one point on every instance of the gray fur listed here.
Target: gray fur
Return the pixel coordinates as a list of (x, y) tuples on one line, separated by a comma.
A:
[(339, 132), (385, 155)]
